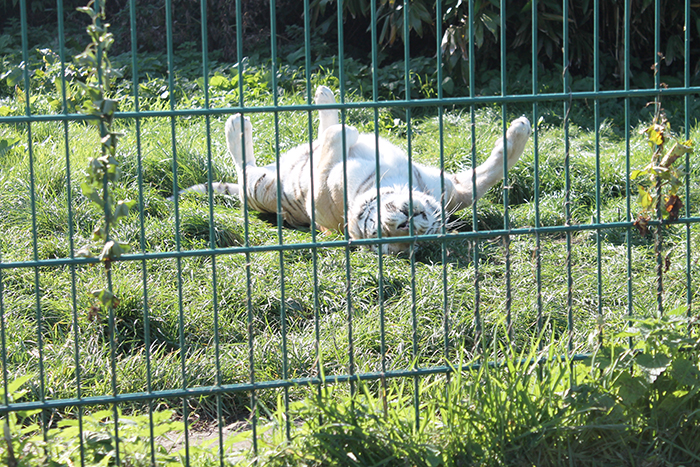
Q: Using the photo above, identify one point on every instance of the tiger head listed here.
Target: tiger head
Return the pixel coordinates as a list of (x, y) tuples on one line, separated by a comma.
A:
[(392, 209)]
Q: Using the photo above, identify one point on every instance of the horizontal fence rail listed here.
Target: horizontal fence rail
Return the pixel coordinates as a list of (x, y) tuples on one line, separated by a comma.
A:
[(409, 103)]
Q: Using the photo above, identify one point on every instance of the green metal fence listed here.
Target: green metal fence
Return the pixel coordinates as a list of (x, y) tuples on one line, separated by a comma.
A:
[(41, 266)]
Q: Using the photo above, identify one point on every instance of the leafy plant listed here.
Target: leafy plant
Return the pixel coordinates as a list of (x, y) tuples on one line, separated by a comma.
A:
[(94, 439), (660, 181), (652, 388), (659, 189), (104, 169), (16, 426)]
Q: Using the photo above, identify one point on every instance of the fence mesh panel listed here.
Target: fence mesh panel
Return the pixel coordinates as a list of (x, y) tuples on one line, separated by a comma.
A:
[(286, 309)]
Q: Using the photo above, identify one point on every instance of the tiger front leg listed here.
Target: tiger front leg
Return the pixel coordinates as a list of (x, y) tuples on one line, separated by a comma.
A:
[(459, 194), (261, 182), (328, 194)]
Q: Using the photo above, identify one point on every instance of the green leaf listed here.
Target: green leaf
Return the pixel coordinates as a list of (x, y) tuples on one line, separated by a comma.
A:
[(631, 388), (678, 150), (448, 85), (685, 372), (14, 385), (492, 22), (218, 81), (13, 76), (121, 210), (7, 143), (109, 141), (106, 297), (84, 252), (652, 365), (125, 247), (28, 413), (88, 10), (108, 107), (110, 251), (655, 134), (98, 233), (91, 193)]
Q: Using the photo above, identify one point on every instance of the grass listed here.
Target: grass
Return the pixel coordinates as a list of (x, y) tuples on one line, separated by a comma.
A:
[(620, 406), (525, 413), (165, 303)]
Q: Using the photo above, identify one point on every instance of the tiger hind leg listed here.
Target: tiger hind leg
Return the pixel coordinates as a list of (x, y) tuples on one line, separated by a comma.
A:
[(326, 117), (328, 195), (235, 136), (261, 182)]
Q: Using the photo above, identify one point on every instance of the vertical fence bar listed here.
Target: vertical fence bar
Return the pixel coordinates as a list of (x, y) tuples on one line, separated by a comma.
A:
[(314, 236), (659, 228), (71, 227), (178, 245), (535, 134), (142, 227), (280, 219), (475, 216), (3, 350), (628, 186), (596, 119), (32, 198), (99, 10), (348, 275), (246, 234), (212, 232), (506, 185), (411, 226), (686, 131), (443, 214), (112, 337), (3, 342), (567, 175), (377, 182)]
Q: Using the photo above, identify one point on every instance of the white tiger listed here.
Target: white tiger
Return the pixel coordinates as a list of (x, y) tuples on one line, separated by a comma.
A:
[(364, 211)]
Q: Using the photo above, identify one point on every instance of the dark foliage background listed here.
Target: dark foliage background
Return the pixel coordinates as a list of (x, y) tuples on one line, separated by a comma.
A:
[(454, 40)]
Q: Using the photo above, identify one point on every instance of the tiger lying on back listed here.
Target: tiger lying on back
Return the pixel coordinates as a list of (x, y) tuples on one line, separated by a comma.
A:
[(362, 205)]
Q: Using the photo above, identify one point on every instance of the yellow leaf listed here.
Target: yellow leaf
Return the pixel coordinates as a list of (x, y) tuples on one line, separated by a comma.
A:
[(676, 151), (655, 137), (645, 198)]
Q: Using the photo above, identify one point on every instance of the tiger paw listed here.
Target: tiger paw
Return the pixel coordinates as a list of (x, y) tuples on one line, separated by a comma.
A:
[(517, 135), (324, 95), (327, 117)]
